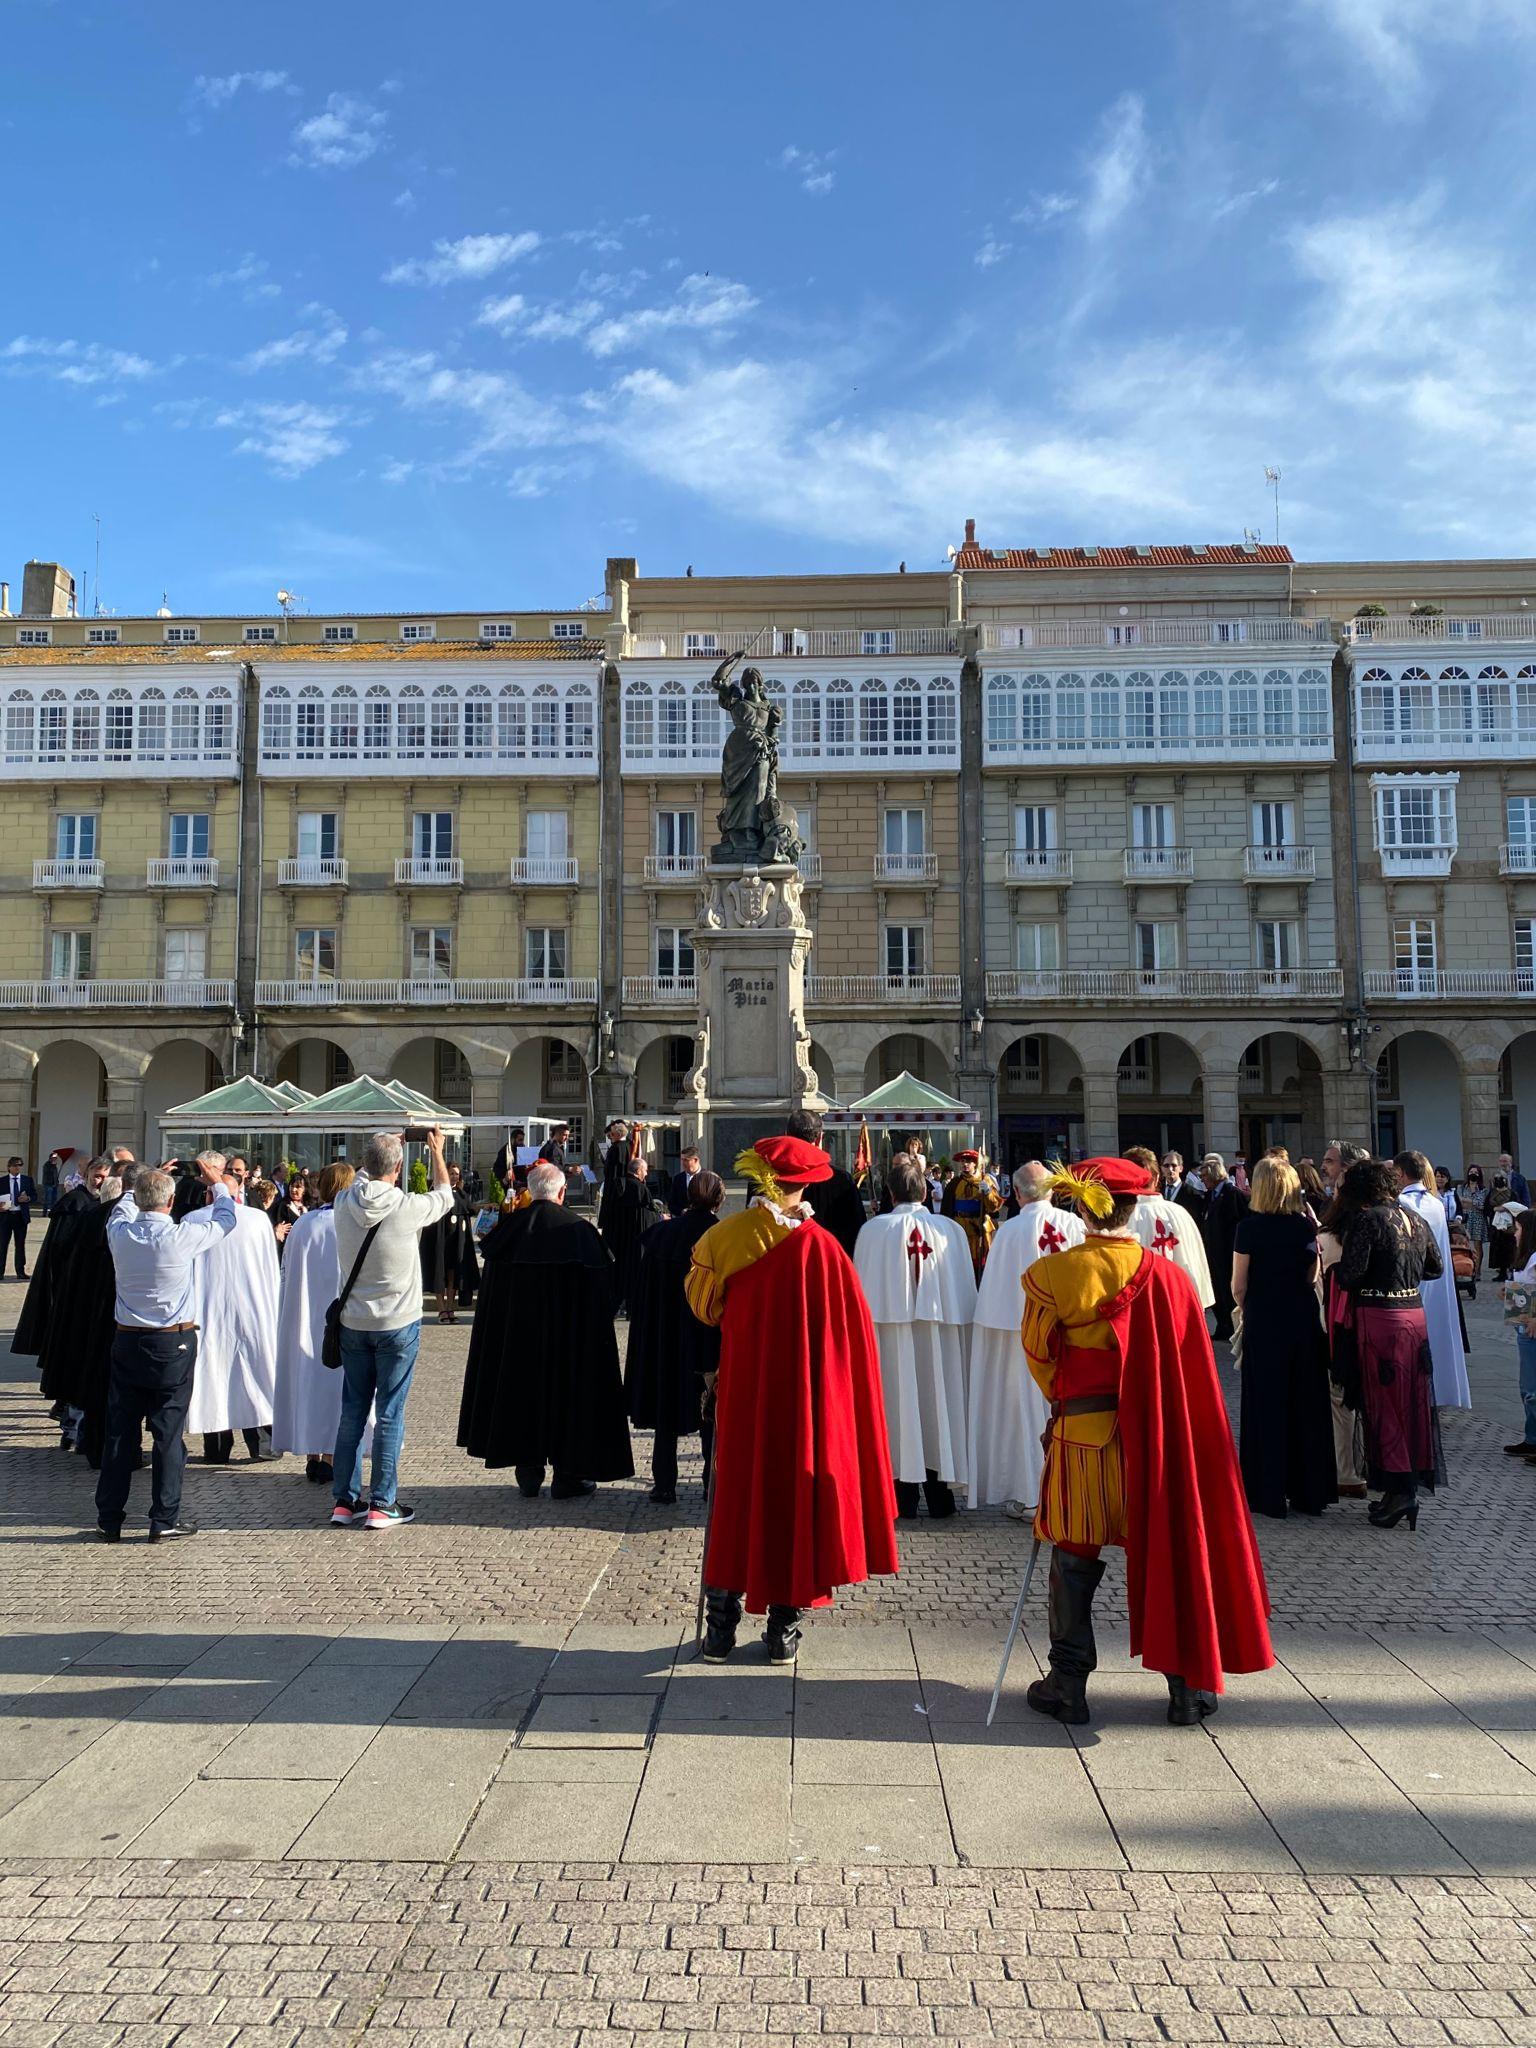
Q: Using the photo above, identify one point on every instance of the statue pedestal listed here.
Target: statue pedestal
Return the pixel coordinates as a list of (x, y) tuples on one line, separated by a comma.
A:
[(752, 1056)]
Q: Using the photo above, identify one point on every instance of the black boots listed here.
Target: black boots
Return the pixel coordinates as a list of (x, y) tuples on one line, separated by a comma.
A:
[(935, 1491), (1069, 1608), (1186, 1707), (722, 1615), (781, 1638)]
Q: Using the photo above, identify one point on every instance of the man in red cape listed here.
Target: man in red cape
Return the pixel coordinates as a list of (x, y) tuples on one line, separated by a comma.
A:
[(1138, 1452), (803, 1497)]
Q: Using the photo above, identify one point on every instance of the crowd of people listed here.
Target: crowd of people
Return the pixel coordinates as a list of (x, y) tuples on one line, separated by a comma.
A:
[(936, 1337)]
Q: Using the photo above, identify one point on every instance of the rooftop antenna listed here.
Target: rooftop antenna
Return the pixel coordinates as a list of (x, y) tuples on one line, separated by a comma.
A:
[(1272, 478), (1253, 535), (286, 600), (96, 608)]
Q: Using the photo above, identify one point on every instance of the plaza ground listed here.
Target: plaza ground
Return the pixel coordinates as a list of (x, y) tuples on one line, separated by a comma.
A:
[(467, 1779)]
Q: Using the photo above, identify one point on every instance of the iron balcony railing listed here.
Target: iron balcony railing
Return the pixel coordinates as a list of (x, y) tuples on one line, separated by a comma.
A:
[(530, 991), (194, 871), (1039, 864), (312, 870), (829, 991), (1129, 984), (542, 869), (66, 874), (429, 871), (1406, 983), (116, 995), (1279, 863)]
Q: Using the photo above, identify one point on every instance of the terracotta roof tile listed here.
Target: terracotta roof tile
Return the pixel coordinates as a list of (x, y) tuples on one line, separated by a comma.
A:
[(1220, 555)]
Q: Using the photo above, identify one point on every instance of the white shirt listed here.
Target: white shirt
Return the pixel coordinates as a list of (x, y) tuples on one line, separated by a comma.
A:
[(152, 1259)]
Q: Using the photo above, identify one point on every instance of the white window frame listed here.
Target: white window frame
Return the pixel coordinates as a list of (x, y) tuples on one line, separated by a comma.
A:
[(312, 826), (182, 635), (498, 629), (911, 946), (1034, 828), (1033, 939), (336, 634), (1524, 944), (321, 939), (1520, 820), (1277, 945), (77, 835), (72, 955), (567, 629), (877, 640), (427, 836), (187, 938), (418, 629), (262, 636), (188, 822), (673, 941), (1273, 815), (898, 831), (1388, 795), (103, 636), (34, 636), (1415, 954), (548, 835), (701, 643), (539, 937), (672, 826), (430, 953), (1155, 945), (1160, 818)]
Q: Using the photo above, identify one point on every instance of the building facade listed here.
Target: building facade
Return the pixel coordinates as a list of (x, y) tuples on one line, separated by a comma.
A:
[(1179, 845)]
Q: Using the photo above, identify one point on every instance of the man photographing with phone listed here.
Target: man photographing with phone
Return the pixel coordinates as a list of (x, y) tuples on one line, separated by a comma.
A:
[(378, 1256)]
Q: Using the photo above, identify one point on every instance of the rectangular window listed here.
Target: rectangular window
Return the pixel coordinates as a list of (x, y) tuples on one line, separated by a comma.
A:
[(311, 726), (839, 717), (877, 642), (580, 732), (186, 956), (119, 729), (431, 953), (432, 835), (335, 633), (1525, 955), (677, 834), (1277, 945), (907, 718), (545, 952), (1312, 710), (674, 954), (411, 726), (874, 719), (34, 636), (377, 718), (544, 725), (344, 726), (1034, 714), (152, 730), (103, 636), (72, 956), (1279, 711), (1071, 712), (189, 835), (477, 727), (904, 951), (1229, 632), (314, 953), (1416, 820), (1172, 715), (1520, 820), (317, 837), (85, 729), (548, 835), (445, 727), (76, 835), (276, 729), (1104, 714), (259, 635), (1156, 946), (569, 629), (1415, 954), (1243, 713), (20, 732), (1152, 826), (1138, 717), (498, 629), (1037, 947), (418, 629), (1274, 824), (805, 719), (1122, 636), (904, 834), (700, 643), (181, 636), (1034, 828)]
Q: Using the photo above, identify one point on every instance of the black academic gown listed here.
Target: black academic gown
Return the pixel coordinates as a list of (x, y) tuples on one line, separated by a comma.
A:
[(627, 1214), (669, 1348), (542, 1386), (1218, 1229), (81, 1329), (50, 1272), (448, 1250), (838, 1206)]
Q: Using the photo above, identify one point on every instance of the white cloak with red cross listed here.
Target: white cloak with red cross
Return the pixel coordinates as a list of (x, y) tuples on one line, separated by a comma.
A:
[(1007, 1410), (1165, 1228), (915, 1269)]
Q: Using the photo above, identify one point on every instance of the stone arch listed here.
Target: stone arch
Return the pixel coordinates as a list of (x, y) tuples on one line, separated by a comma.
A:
[(1420, 1075), (1280, 1095), (179, 1069), (315, 1061), (1160, 1084), (826, 1069), (1041, 1107), (1517, 1098), (922, 1052), (69, 1096), (659, 1072), (434, 1063)]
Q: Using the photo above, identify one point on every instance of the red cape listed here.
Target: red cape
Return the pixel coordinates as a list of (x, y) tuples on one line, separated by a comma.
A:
[(803, 1496), (1194, 1578)]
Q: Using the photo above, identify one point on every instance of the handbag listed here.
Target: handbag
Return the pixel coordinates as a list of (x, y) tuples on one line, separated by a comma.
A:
[(330, 1342)]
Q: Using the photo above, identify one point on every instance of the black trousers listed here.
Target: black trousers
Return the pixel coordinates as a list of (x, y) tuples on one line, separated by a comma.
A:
[(151, 1381), (13, 1230), (664, 1454)]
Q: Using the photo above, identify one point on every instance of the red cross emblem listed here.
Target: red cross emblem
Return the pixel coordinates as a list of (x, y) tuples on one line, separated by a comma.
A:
[(1051, 1239), (1163, 1239), (918, 1249)]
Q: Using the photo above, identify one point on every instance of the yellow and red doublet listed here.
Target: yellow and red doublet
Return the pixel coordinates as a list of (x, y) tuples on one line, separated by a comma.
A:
[(1073, 1351), (726, 1249)]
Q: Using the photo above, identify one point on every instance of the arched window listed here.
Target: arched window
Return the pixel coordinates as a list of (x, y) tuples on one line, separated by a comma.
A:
[(1210, 705), (512, 724), (1525, 701), (276, 725), (672, 722), (580, 723), (907, 716), (218, 725), (1455, 702), (1003, 711), (1034, 712), (1312, 709), (839, 717), (874, 718), (639, 721), (1104, 708), (1494, 718), (20, 727), (411, 724), (1243, 718), (445, 723), (310, 727), (1173, 708), (1279, 705), (478, 723), (805, 718), (151, 745), (1139, 726), (186, 726), (119, 728), (378, 723), (1071, 711), (941, 715), (85, 727), (1416, 703), (544, 724), (706, 719), (53, 726), (344, 723)]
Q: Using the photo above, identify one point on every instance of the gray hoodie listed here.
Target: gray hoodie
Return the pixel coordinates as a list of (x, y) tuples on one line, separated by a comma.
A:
[(388, 1291)]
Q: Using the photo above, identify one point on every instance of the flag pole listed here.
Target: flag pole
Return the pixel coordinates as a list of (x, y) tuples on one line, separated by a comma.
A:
[(709, 1516), (1013, 1630)]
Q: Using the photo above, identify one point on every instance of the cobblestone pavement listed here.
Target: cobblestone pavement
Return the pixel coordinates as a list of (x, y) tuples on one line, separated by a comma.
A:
[(424, 1730)]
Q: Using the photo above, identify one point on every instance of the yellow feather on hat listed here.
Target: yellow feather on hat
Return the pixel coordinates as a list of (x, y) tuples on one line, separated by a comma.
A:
[(1083, 1189), (752, 1166)]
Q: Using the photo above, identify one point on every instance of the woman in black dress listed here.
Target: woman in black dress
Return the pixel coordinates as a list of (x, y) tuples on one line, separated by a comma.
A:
[(449, 1266), (1285, 1439)]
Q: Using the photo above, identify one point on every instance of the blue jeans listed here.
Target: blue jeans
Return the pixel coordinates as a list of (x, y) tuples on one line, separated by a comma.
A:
[(1527, 1350), (376, 1368)]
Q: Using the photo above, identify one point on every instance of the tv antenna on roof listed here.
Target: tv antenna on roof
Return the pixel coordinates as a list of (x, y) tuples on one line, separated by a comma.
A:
[(286, 600), (1272, 478)]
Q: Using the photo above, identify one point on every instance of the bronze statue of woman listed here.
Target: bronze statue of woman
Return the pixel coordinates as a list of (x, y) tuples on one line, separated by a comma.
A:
[(752, 824)]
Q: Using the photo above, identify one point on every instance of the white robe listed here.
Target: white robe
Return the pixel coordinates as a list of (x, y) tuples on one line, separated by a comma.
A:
[(1007, 1409), (1164, 1227), (915, 1269), (235, 1290), (306, 1400), (1452, 1388)]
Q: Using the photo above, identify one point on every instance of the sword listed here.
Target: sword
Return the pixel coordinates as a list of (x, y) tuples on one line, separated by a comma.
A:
[(709, 1516), (1013, 1630)]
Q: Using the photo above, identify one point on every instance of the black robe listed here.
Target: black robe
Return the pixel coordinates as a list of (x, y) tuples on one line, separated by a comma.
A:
[(1224, 1206), (81, 1329), (669, 1348), (627, 1214), (542, 1386), (838, 1206), (448, 1251), (50, 1272)]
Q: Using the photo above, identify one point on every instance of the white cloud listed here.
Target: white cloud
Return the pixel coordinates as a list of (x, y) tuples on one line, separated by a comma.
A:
[(703, 304), (346, 132), (469, 258), (1239, 202), (513, 315), (502, 412), (1119, 168), (79, 362), (290, 439), (213, 94), (1044, 208), (1391, 34), (812, 168), (248, 276), (321, 342), (404, 201), (991, 251)]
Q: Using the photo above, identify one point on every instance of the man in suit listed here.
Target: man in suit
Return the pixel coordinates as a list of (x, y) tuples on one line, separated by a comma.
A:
[(20, 1194), (552, 1151), (1173, 1185), (677, 1193), (1218, 1228)]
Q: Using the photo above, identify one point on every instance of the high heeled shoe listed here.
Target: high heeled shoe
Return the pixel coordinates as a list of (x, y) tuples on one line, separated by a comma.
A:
[(1393, 1508)]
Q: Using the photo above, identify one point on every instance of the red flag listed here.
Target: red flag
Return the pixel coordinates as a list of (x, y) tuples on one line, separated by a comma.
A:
[(862, 1160)]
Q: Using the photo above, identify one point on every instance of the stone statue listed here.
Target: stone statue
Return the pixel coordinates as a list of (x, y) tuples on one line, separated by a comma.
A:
[(754, 827)]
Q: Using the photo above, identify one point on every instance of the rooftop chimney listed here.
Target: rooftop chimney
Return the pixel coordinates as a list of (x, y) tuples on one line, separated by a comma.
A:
[(47, 591), (970, 533), (5, 600)]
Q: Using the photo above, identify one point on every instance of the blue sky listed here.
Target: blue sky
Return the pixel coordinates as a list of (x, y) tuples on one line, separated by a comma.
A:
[(414, 307)]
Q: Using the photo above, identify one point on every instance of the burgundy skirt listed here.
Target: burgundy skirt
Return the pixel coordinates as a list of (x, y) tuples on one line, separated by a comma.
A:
[(1396, 1390)]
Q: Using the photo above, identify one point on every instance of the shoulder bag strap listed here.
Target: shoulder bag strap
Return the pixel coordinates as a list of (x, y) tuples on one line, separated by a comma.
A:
[(357, 1265)]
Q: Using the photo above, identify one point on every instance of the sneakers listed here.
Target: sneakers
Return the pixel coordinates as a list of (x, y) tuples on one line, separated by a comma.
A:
[(389, 1518), (781, 1643), (1019, 1510), (349, 1514)]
